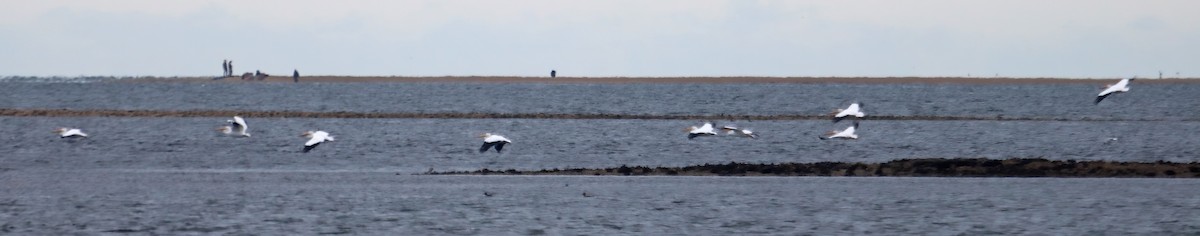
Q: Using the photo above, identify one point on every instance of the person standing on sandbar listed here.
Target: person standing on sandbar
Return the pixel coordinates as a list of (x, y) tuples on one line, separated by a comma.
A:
[(225, 68), (295, 76)]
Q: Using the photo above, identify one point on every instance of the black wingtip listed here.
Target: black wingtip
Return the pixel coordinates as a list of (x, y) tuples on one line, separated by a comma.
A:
[(485, 147)]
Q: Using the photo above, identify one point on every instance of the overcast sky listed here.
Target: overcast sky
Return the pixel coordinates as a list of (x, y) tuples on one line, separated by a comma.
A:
[(1084, 38)]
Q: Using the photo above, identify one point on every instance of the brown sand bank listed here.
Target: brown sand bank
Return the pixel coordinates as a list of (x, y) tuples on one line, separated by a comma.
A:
[(369, 115), (936, 167), (663, 80)]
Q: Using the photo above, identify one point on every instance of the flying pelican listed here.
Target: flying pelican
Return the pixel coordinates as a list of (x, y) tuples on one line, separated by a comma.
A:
[(855, 109), (848, 133), (729, 129), (1122, 86), (490, 140), (706, 130), (70, 133), (747, 133), (236, 124), (315, 138)]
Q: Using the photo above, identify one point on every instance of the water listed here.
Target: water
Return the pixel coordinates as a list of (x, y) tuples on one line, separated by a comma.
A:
[(1066, 101), (177, 176), (383, 203), (416, 145)]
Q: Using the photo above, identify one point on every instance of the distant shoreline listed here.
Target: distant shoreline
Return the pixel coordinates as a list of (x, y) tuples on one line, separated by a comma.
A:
[(930, 167), (656, 80)]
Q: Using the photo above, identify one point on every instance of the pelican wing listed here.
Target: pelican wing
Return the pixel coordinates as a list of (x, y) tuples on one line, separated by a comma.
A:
[(1120, 86), (239, 124), (846, 133), (495, 138), (1101, 98), (74, 132), (310, 147), (853, 108), (706, 129), (1123, 83), (1109, 90), (314, 141), (317, 138), (485, 147), (500, 146), (842, 114), (749, 133), (729, 129)]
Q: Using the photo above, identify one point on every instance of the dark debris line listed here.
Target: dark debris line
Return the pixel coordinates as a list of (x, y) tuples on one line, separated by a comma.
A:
[(367, 115), (930, 167)]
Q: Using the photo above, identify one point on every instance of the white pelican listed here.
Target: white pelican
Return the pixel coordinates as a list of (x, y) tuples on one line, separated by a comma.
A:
[(1122, 86), (747, 133), (706, 130), (70, 133), (237, 124), (848, 133), (490, 140), (315, 138), (729, 129), (855, 110)]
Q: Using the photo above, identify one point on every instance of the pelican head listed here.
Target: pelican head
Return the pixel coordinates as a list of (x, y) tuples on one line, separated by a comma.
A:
[(307, 134), (485, 135)]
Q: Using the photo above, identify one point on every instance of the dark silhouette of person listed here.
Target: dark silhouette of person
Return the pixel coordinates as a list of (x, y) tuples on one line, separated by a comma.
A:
[(553, 73), (295, 76), (230, 65), (224, 67)]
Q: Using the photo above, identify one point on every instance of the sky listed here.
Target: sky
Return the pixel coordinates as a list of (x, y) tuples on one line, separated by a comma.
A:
[(985, 38)]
